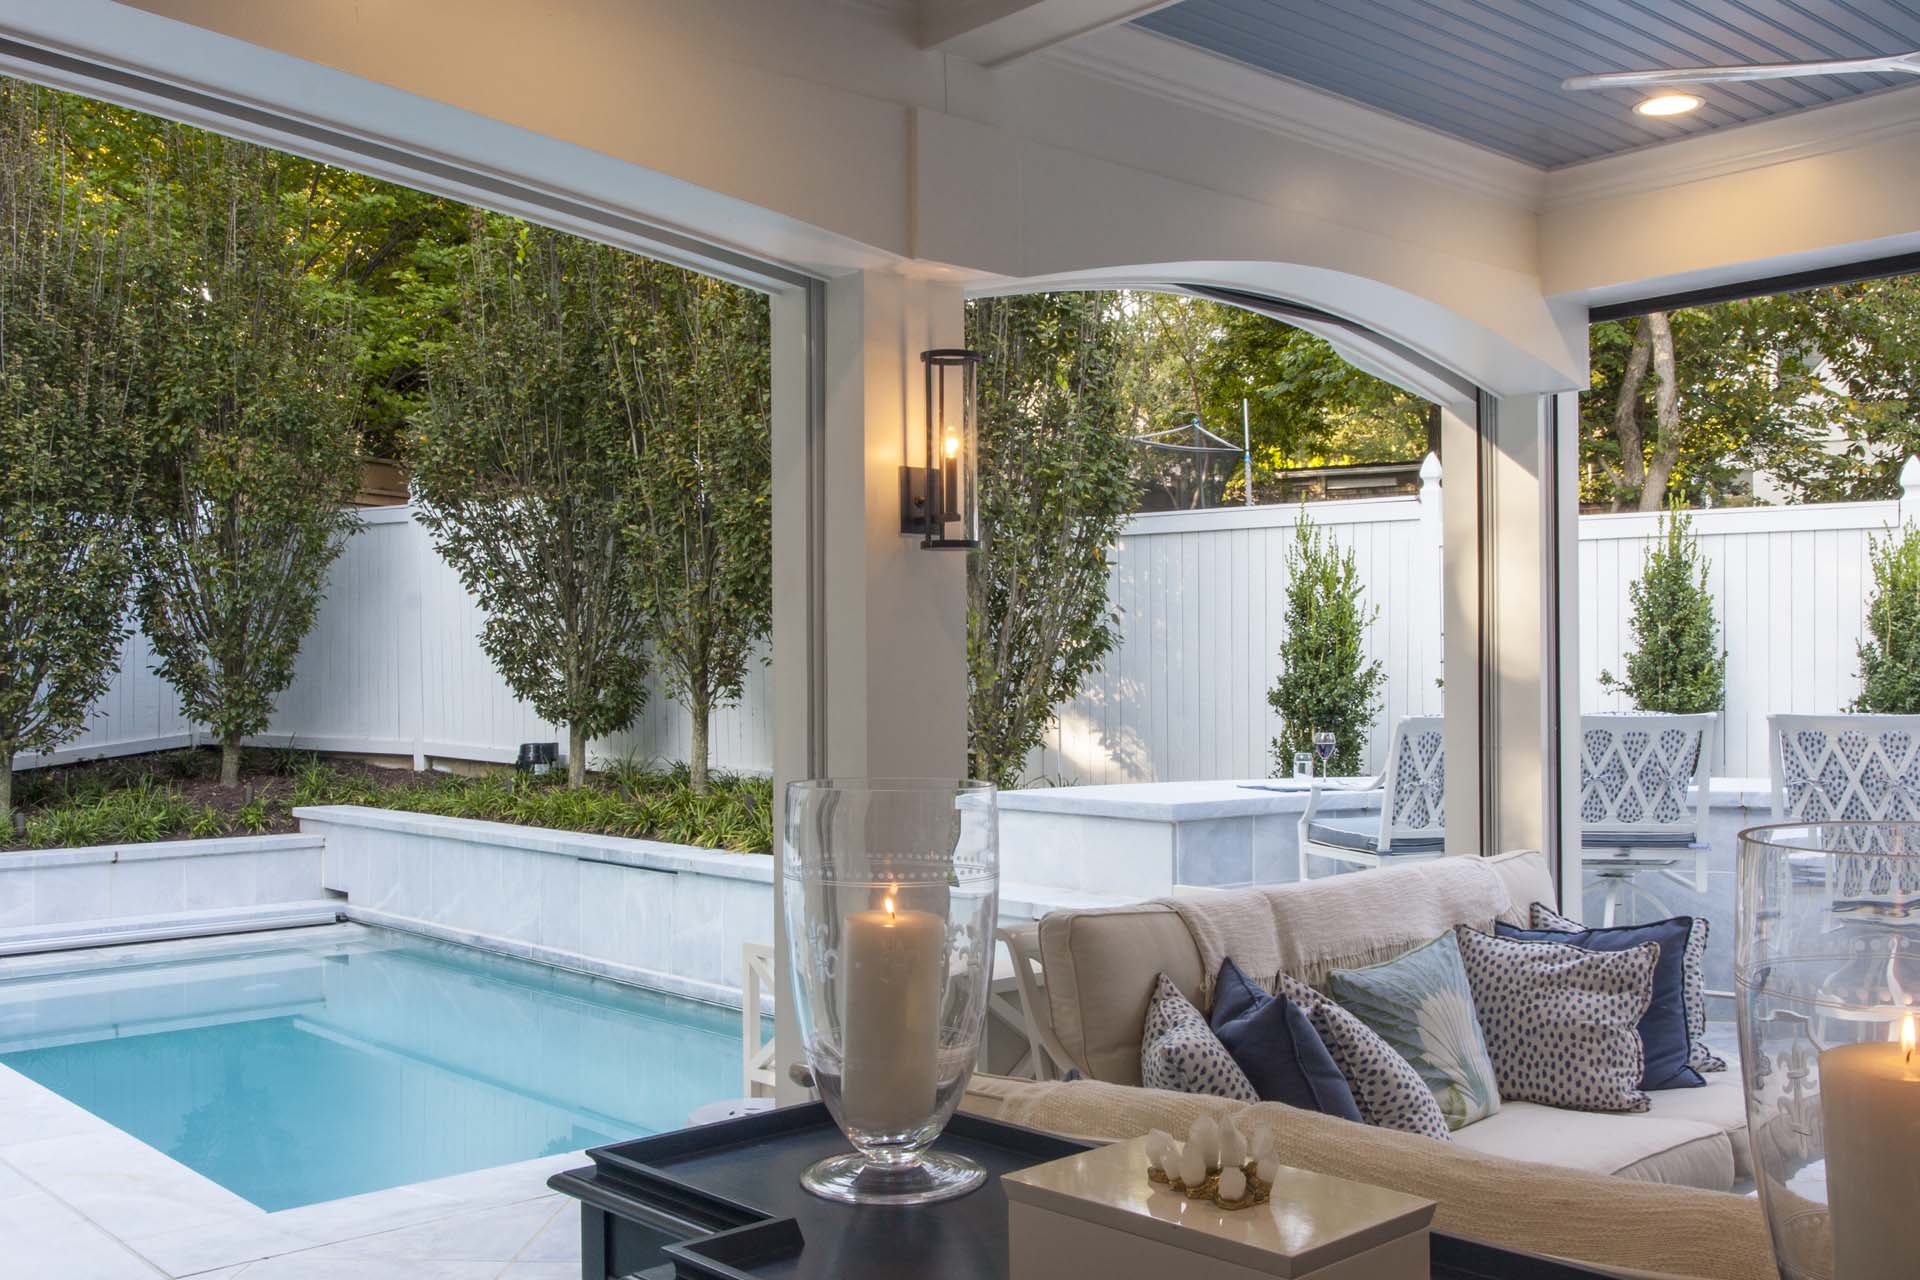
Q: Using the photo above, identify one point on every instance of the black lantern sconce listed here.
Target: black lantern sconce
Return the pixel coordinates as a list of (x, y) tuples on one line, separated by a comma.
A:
[(940, 498)]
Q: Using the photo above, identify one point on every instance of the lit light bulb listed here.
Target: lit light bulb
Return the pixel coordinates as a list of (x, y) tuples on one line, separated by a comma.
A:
[(952, 446), (1667, 104)]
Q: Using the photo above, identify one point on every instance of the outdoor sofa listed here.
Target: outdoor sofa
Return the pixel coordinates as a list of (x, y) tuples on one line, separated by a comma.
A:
[(1643, 1193)]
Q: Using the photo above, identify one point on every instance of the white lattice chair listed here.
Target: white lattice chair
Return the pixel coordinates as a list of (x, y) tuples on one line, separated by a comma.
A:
[(1852, 768), (1413, 810), (1644, 800)]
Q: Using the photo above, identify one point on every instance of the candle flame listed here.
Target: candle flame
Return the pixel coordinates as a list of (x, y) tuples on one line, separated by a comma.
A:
[(889, 902), (1907, 1037)]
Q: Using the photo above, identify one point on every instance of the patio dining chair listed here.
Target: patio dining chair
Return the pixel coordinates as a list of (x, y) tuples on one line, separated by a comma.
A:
[(1645, 782), (1412, 825), (1852, 768)]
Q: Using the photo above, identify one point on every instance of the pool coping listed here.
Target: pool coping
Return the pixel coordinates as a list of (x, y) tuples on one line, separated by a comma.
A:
[(91, 1189)]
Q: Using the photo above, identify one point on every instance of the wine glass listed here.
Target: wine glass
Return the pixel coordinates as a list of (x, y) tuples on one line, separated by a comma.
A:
[(1324, 747)]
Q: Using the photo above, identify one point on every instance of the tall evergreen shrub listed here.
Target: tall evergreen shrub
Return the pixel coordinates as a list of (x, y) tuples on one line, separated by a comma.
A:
[(1326, 681), (1890, 656), (1676, 664)]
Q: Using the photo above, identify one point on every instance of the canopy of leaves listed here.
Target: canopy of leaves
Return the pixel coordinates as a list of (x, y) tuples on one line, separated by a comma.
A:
[(694, 373), (250, 387), (1676, 664), (1890, 655), (1327, 683), (1056, 483), (523, 464), (69, 452)]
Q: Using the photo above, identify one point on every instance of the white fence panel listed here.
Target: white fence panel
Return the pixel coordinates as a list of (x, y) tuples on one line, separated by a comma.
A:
[(394, 664)]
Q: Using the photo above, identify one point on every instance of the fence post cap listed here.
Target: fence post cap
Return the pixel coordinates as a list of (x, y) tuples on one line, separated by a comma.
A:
[(1430, 469), (1909, 475)]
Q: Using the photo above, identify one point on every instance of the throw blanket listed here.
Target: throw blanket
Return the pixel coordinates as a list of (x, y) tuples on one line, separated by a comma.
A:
[(1342, 922), (1615, 1223)]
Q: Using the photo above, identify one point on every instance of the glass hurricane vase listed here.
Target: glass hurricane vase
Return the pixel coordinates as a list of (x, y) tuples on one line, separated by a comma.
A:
[(891, 891), (1828, 971)]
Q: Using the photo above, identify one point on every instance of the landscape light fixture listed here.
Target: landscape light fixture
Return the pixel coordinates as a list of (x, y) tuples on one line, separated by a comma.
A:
[(940, 497)]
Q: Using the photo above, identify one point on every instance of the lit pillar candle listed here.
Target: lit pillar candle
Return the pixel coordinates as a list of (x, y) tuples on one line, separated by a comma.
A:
[(1870, 1108), (895, 974)]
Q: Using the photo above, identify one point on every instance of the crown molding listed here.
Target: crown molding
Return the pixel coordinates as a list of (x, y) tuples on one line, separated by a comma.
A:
[(1194, 77), (1839, 126)]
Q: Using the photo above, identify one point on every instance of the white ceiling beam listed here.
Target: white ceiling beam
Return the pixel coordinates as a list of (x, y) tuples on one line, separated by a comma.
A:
[(995, 32)]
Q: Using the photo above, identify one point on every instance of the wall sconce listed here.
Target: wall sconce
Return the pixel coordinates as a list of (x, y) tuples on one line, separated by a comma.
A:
[(940, 498)]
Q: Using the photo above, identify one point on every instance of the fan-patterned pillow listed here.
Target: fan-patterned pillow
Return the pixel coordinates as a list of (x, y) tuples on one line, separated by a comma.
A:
[(1386, 1088), (1179, 1051), (1693, 995), (1562, 1023)]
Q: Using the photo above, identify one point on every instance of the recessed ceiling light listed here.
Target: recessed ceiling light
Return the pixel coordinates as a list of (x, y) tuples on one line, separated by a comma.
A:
[(1667, 104)]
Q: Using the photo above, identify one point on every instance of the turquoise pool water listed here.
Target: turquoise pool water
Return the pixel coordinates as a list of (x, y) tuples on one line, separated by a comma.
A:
[(304, 1066)]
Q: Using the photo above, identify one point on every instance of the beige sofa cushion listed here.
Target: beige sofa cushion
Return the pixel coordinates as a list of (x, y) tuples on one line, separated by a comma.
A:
[(1100, 966), (1722, 1104), (1682, 1153), (1619, 1224)]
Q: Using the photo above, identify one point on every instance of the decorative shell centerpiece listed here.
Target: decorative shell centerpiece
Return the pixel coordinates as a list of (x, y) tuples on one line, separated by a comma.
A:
[(1215, 1163)]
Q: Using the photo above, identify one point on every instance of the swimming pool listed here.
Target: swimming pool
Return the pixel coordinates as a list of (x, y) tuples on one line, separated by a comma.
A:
[(309, 1065)]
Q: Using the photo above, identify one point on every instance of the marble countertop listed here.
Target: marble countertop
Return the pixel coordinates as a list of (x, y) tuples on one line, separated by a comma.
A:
[(1192, 801)]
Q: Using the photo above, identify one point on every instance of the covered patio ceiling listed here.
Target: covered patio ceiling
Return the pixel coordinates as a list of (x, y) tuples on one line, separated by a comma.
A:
[(1489, 71)]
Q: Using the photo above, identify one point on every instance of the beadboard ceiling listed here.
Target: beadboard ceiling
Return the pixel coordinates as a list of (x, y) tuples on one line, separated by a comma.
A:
[(1489, 71)]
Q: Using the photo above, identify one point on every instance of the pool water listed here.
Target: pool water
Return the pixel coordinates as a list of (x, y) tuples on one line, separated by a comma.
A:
[(304, 1066)]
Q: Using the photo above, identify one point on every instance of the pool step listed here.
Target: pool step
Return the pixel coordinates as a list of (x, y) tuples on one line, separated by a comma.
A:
[(30, 939)]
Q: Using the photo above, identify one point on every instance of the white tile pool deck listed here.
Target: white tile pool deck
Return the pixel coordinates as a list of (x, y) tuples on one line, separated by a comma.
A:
[(81, 1200)]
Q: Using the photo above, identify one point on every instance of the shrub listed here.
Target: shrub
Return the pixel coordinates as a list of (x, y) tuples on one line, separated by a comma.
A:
[(1890, 656), (1676, 664), (1326, 681)]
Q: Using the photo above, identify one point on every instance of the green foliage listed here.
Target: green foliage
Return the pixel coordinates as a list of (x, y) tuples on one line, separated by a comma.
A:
[(1326, 682), (69, 372), (523, 464), (1890, 656), (139, 799), (1676, 664), (250, 386), (1056, 483), (695, 376)]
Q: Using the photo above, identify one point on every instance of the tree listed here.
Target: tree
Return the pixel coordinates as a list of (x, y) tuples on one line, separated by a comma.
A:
[(696, 379), (1326, 681), (1676, 664), (522, 466), (68, 451), (1056, 484), (252, 402), (1890, 656)]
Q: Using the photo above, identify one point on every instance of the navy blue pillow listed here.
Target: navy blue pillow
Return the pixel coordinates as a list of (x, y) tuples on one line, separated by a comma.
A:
[(1663, 1028), (1272, 1040)]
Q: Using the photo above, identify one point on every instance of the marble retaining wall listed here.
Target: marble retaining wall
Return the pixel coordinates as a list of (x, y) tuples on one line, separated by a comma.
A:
[(47, 888)]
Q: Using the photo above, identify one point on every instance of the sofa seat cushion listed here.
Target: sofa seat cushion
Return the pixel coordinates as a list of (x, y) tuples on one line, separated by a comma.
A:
[(1686, 1153), (1722, 1104)]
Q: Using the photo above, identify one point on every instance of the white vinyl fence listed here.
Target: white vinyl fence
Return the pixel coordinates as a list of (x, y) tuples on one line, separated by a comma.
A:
[(394, 666)]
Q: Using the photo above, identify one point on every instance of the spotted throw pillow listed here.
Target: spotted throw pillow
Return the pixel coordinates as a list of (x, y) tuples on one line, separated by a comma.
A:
[(1388, 1091), (1179, 1051), (1694, 981), (1562, 1023)]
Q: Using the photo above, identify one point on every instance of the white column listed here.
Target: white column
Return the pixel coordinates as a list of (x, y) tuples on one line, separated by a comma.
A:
[(1460, 629), (869, 634)]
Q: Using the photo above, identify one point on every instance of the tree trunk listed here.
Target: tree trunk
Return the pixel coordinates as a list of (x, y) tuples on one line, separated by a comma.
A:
[(230, 763), (701, 712), (576, 757), (6, 796), (1666, 415), (1626, 411)]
